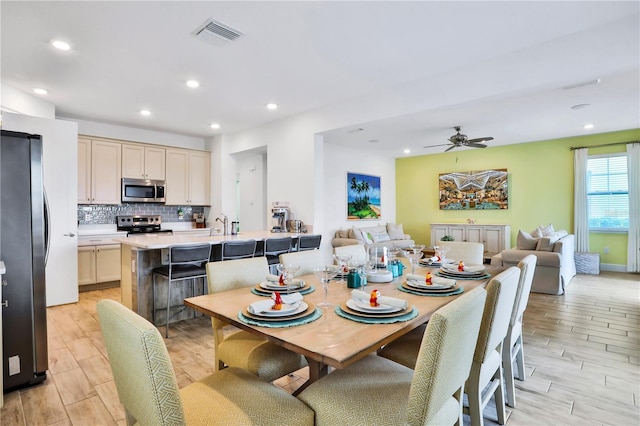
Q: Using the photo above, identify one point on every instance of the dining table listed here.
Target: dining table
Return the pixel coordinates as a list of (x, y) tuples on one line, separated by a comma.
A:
[(331, 338)]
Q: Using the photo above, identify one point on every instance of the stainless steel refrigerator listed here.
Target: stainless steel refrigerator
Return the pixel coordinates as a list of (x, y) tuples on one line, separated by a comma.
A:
[(23, 236)]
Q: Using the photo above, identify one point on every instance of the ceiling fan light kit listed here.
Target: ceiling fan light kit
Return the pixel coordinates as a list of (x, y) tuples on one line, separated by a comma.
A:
[(459, 140)]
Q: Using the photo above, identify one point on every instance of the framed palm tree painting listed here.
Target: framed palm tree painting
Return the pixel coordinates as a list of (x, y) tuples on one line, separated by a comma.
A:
[(363, 197)]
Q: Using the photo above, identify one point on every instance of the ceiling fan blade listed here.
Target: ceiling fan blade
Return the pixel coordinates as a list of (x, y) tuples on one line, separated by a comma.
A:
[(450, 148), (431, 146), (477, 145), (480, 139)]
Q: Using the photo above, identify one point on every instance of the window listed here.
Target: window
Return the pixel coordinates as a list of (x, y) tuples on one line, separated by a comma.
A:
[(607, 193)]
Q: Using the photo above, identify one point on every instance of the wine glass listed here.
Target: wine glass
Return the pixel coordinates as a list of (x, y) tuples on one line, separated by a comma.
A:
[(417, 247), (325, 274), (342, 260), (441, 252), (414, 256), (289, 274)]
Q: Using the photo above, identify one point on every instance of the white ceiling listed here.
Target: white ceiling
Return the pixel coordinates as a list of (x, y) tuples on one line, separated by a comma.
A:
[(496, 68)]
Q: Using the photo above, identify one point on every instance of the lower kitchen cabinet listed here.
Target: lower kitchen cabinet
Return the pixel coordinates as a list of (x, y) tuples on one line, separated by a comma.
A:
[(98, 264)]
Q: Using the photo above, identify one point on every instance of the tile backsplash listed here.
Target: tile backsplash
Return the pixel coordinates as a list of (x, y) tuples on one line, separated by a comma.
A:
[(99, 214)]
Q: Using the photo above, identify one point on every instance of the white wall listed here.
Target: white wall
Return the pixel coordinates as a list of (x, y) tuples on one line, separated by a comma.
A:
[(251, 185), (94, 128), (16, 101)]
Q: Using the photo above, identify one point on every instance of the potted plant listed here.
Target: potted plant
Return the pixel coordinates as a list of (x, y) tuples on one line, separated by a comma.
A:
[(447, 238)]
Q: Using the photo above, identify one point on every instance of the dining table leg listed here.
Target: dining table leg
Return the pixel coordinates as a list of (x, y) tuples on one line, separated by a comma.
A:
[(317, 370)]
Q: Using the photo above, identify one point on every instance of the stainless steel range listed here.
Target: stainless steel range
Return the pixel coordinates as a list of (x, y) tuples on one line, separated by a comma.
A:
[(141, 225)]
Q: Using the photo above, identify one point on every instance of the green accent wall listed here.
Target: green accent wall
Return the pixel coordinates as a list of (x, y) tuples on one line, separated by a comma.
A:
[(540, 188)]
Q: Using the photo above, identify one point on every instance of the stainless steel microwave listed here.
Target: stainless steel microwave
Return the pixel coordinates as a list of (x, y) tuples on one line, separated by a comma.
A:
[(143, 190)]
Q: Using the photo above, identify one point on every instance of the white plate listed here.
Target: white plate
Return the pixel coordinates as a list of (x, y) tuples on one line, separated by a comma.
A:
[(287, 309), (270, 285), (468, 269), (360, 306), (423, 285)]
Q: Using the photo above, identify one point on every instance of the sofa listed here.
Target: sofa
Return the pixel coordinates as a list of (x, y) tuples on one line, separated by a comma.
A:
[(555, 252), (390, 235)]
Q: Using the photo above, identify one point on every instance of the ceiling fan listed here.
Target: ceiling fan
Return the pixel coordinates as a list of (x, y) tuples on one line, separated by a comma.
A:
[(459, 140)]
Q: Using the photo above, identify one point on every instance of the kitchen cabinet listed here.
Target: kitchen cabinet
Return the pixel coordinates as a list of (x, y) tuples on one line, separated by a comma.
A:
[(99, 171), (143, 162), (494, 237), (188, 177), (98, 264)]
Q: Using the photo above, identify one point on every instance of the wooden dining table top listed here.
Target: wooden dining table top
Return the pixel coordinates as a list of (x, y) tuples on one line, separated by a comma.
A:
[(330, 340)]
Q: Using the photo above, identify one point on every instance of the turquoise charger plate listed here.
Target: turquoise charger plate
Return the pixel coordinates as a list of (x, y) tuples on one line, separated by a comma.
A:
[(419, 293), (368, 320), (257, 292), (317, 313)]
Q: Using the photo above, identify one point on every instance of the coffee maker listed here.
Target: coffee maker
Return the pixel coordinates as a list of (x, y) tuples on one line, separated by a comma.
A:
[(279, 219)]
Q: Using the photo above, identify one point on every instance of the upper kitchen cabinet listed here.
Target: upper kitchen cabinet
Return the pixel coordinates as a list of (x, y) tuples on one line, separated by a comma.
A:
[(143, 162), (99, 171), (188, 177)]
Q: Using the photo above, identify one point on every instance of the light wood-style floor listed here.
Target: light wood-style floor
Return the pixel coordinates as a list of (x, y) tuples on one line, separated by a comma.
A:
[(582, 352)]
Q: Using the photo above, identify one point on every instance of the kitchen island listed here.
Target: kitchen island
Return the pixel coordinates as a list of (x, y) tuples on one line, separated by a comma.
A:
[(140, 254)]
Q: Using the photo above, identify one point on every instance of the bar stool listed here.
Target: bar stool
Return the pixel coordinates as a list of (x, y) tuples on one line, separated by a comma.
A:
[(309, 242), (238, 249), (186, 262), (273, 248)]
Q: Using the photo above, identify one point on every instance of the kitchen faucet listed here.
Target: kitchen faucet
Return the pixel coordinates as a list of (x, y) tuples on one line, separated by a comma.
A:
[(224, 222)]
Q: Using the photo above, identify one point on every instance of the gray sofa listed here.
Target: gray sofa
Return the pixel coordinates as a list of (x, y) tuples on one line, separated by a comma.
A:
[(389, 235), (555, 267)]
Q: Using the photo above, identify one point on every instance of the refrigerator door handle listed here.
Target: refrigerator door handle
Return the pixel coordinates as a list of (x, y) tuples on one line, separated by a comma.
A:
[(47, 234)]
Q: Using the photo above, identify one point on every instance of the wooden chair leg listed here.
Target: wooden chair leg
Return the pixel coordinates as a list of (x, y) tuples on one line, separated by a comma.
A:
[(520, 359), (507, 364), (474, 397), (499, 397)]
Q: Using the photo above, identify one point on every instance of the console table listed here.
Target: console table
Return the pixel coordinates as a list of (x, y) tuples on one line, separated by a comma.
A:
[(494, 237)]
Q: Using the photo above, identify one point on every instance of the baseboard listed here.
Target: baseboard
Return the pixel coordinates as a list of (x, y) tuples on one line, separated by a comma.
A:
[(612, 267)]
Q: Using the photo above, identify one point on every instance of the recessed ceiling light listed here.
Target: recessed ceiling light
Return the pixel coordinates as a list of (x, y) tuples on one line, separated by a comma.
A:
[(580, 106), (272, 106), (145, 112), (588, 126), (215, 126), (59, 44), (374, 141), (192, 83), (407, 151), (40, 91)]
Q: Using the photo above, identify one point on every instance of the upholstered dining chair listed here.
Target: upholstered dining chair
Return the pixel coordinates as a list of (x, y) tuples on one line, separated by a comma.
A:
[(308, 260), (487, 361), (375, 390), (148, 389), (513, 347), (357, 252), (469, 253), (241, 348), (486, 376)]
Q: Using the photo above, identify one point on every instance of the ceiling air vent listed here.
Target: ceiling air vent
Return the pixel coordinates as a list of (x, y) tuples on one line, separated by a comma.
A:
[(214, 32)]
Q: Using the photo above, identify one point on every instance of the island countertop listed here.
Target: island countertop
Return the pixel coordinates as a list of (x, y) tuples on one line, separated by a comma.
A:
[(160, 241)]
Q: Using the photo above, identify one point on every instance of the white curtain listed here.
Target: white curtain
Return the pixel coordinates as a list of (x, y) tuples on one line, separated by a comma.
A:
[(580, 218), (633, 170)]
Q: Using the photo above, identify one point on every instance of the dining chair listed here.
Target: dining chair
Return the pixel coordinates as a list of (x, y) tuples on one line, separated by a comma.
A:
[(469, 253), (186, 262), (357, 252), (148, 388), (241, 348), (486, 369), (238, 249), (486, 376), (376, 390), (273, 248), (309, 242), (308, 260), (513, 347)]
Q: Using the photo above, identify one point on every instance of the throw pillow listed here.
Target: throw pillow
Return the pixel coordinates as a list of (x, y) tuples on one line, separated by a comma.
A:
[(367, 237), (342, 233), (536, 233), (378, 238), (547, 231), (526, 241), (546, 243), (355, 233), (395, 231)]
